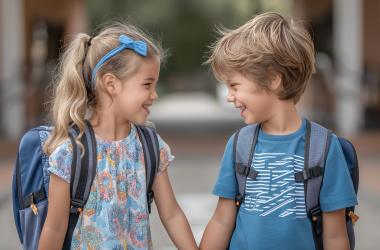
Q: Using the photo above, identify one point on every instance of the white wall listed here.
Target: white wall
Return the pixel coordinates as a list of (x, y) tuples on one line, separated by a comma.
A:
[(347, 28), (12, 120)]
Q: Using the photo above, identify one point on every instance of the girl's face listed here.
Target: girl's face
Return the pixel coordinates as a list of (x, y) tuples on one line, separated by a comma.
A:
[(133, 97), (256, 106)]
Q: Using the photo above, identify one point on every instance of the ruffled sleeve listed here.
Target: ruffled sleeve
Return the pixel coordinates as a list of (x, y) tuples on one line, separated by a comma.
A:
[(165, 156), (60, 160)]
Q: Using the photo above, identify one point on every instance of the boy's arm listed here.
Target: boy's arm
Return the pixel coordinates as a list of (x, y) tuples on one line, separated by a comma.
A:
[(334, 230), (219, 230), (171, 215)]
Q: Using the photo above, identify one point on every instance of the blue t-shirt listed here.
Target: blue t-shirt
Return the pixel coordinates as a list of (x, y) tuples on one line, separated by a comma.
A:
[(273, 215)]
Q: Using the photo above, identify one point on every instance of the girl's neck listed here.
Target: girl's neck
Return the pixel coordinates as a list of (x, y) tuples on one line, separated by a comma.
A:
[(109, 127)]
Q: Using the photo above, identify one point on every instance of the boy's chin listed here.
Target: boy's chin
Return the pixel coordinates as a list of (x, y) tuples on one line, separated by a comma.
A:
[(248, 121)]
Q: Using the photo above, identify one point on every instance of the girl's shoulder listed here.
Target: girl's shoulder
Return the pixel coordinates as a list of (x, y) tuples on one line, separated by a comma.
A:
[(60, 160), (64, 149)]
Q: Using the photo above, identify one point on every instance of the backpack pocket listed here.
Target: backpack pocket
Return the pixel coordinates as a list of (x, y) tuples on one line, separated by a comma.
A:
[(32, 224)]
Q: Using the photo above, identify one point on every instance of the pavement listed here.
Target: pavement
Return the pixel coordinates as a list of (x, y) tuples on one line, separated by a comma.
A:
[(198, 150)]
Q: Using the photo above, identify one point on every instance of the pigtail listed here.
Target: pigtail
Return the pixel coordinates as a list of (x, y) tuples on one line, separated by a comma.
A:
[(69, 97)]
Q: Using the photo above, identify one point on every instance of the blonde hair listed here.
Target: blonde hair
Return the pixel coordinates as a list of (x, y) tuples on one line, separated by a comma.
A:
[(72, 96), (263, 47)]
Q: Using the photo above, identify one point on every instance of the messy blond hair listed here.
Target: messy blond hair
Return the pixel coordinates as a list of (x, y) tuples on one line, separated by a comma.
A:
[(72, 96), (263, 47)]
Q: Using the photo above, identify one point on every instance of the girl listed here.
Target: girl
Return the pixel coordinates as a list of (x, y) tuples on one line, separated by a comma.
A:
[(117, 83)]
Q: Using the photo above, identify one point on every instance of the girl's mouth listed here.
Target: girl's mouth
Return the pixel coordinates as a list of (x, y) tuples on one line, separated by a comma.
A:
[(146, 107)]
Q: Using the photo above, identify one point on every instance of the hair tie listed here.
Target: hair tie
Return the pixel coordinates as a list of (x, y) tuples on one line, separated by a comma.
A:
[(89, 41)]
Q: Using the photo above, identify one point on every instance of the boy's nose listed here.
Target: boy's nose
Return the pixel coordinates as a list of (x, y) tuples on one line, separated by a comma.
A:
[(230, 98)]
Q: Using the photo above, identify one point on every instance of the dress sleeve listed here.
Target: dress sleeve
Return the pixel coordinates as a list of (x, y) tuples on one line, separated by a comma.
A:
[(165, 156), (226, 185), (337, 189), (60, 160)]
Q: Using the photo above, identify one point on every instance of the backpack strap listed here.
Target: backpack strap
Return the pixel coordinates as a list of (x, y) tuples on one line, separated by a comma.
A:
[(83, 170), (151, 152), (244, 147), (317, 143)]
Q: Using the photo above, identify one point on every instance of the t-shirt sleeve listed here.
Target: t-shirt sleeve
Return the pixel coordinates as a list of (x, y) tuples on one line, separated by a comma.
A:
[(165, 156), (60, 160), (337, 190), (226, 185)]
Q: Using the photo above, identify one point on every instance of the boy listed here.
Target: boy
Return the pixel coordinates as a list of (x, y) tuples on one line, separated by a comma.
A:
[(266, 65)]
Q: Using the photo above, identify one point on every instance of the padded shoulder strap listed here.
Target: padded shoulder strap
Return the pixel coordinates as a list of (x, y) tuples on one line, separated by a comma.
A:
[(151, 151), (244, 147), (317, 145), (83, 170)]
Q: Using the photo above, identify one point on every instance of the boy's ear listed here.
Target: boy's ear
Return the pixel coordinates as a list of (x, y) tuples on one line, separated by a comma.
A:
[(276, 83), (110, 82)]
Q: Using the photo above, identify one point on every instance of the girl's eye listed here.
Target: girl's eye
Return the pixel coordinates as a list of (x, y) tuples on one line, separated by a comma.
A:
[(233, 85), (147, 84)]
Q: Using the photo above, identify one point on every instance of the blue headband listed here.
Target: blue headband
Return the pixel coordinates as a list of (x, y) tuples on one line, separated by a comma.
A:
[(127, 43)]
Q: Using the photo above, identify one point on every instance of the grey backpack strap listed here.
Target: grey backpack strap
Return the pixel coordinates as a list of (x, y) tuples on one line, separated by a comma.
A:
[(151, 151), (317, 143), (83, 170), (244, 147)]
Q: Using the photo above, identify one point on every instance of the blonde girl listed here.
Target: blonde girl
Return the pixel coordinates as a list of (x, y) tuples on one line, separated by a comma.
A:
[(113, 75)]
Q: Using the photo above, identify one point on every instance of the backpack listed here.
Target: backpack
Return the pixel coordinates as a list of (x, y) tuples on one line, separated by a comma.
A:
[(30, 187), (317, 144)]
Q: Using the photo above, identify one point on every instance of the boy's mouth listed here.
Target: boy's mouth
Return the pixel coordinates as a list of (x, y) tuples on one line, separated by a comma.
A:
[(146, 107), (242, 110)]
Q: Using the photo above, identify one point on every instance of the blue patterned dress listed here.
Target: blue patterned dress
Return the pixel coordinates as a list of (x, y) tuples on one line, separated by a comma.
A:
[(116, 214)]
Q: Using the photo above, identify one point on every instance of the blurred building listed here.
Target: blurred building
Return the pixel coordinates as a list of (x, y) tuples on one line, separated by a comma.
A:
[(31, 35), (343, 95), (345, 92)]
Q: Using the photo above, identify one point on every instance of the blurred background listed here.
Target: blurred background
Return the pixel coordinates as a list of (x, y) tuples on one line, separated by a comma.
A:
[(191, 113)]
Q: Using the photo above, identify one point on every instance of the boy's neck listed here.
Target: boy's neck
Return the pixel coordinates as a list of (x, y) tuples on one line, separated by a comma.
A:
[(285, 120)]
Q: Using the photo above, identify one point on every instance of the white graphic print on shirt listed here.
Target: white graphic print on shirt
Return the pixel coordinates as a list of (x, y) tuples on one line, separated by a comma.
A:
[(275, 191)]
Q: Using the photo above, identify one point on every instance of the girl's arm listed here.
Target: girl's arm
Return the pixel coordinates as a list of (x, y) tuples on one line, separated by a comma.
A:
[(219, 230), (171, 215), (57, 220), (334, 230)]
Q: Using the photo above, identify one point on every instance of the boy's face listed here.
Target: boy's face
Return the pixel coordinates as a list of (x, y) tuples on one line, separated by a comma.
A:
[(255, 105)]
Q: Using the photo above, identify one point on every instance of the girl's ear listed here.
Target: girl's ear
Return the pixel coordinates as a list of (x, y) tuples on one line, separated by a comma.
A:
[(110, 81)]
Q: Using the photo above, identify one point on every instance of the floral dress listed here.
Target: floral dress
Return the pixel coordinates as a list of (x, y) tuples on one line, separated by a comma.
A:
[(116, 215)]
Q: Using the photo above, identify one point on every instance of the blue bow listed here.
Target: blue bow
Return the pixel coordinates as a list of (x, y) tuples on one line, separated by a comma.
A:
[(138, 46), (127, 43)]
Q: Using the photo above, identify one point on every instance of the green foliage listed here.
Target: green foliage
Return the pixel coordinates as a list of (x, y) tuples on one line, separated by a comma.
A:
[(185, 26)]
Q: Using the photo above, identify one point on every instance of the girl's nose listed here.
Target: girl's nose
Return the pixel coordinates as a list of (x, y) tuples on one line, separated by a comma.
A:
[(154, 95)]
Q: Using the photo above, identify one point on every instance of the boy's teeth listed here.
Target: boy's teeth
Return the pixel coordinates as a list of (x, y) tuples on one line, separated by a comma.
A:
[(241, 108)]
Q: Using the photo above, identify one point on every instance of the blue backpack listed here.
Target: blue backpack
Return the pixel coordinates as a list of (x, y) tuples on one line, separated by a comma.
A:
[(30, 187), (317, 144)]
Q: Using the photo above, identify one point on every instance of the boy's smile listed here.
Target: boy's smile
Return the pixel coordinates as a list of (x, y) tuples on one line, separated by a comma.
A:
[(256, 105)]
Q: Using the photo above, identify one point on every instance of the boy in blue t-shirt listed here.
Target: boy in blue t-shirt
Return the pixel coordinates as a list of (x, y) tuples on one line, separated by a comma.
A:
[(266, 65)]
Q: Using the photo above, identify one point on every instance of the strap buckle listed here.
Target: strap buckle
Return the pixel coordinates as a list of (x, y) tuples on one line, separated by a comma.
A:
[(75, 210), (77, 202), (239, 200), (316, 215), (309, 174), (315, 212), (150, 197)]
